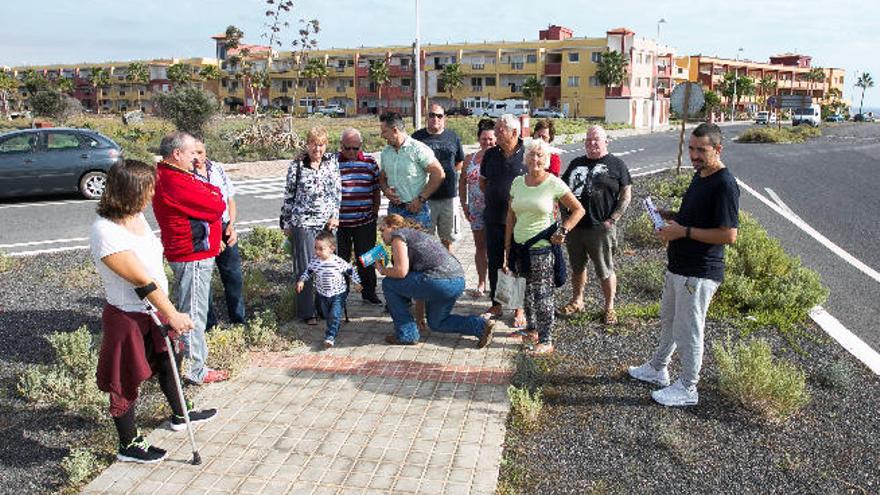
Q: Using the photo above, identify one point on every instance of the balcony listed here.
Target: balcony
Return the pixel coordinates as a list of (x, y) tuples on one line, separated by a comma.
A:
[(552, 92), (553, 69)]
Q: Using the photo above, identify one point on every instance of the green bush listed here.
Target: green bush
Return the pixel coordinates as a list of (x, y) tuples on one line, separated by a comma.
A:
[(229, 349), (639, 232), (673, 185), (525, 406), (644, 278), (79, 466), (255, 287), (6, 262), (764, 282), (69, 383), (188, 108), (749, 375), (262, 330), (286, 307), (797, 134), (262, 244)]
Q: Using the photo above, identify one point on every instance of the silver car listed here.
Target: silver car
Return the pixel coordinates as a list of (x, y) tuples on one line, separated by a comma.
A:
[(55, 160)]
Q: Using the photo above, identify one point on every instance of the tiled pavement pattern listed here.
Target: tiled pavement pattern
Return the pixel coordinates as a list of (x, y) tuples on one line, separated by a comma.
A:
[(361, 418)]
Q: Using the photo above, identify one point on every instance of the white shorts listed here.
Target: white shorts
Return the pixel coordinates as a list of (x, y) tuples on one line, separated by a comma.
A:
[(445, 218)]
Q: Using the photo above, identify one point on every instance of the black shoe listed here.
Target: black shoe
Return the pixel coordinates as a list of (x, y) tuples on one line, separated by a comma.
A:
[(393, 340), (371, 298), (140, 451), (178, 423)]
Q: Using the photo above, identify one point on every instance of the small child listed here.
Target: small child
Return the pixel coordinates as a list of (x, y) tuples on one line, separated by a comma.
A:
[(327, 272)]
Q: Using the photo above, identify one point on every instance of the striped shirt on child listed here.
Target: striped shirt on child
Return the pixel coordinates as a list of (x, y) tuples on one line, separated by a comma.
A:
[(329, 275)]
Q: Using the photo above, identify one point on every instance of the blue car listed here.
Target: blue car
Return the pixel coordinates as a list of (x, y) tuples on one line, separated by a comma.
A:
[(56, 161), (835, 117)]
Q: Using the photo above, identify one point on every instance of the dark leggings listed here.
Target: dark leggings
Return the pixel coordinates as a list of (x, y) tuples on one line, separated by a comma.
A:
[(495, 255), (126, 426)]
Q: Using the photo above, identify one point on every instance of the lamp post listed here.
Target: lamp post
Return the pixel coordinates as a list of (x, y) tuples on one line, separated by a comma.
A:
[(417, 107), (654, 114), (735, 77)]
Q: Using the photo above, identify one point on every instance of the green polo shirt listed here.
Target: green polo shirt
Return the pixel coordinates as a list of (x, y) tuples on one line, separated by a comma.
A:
[(407, 168)]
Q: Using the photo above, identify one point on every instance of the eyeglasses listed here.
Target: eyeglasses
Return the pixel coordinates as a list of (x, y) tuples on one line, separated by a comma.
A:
[(351, 148), (436, 115)]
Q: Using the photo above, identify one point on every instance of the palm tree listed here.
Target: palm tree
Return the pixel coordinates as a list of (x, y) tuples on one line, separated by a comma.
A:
[(99, 79), (767, 85), (137, 73), (712, 101), (865, 81), (533, 88), (815, 75), (611, 69), (8, 87), (65, 85), (315, 70), (180, 74), (452, 79), (379, 75)]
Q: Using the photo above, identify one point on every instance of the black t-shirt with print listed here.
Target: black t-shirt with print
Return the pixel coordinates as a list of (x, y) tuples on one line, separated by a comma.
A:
[(447, 148), (499, 172), (597, 184), (709, 203)]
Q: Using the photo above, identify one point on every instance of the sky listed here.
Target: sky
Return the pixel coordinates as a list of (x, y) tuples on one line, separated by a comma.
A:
[(840, 33)]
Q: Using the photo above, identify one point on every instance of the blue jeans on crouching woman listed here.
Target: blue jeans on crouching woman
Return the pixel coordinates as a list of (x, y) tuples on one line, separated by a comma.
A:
[(439, 296)]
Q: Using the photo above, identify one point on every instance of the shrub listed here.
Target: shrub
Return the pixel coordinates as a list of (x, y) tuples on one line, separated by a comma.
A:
[(229, 350), (639, 232), (286, 307), (188, 108), (525, 406), (69, 383), (673, 185), (79, 466), (6, 262), (784, 135), (749, 375), (644, 278), (262, 244), (82, 276), (255, 287), (766, 283), (262, 330), (837, 375), (527, 373)]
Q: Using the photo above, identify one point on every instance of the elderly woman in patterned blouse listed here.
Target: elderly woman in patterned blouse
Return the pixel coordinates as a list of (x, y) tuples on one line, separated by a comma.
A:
[(311, 204)]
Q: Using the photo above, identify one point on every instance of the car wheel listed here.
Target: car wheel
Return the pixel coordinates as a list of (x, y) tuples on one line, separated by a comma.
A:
[(92, 184)]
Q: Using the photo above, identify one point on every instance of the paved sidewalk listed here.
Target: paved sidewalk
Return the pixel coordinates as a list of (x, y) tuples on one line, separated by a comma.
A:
[(363, 417)]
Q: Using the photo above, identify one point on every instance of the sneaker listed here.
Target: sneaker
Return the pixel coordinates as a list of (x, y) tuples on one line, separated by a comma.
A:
[(328, 343), (647, 373), (140, 451), (178, 423), (676, 395), (371, 298), (488, 330)]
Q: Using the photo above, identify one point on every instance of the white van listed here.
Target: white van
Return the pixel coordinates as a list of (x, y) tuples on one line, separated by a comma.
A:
[(811, 115), (497, 108)]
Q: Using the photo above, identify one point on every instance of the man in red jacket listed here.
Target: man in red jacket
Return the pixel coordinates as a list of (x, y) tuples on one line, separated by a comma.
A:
[(189, 210)]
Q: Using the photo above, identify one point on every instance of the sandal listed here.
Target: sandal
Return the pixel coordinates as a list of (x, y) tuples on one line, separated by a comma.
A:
[(527, 336), (610, 317), (571, 309), (477, 293), (520, 322)]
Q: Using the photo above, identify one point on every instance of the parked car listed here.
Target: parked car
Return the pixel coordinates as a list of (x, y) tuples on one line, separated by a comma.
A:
[(331, 111), (810, 115), (765, 118), (56, 160), (548, 113), (863, 117), (459, 111), (835, 117)]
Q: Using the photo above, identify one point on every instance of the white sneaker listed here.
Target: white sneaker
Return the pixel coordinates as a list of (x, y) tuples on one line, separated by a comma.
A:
[(328, 343), (676, 395), (647, 373)]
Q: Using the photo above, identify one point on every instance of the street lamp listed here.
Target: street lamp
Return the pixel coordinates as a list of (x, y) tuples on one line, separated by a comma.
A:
[(417, 113), (735, 77), (656, 77)]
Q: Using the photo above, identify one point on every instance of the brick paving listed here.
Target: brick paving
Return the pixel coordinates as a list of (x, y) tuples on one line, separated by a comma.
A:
[(361, 418)]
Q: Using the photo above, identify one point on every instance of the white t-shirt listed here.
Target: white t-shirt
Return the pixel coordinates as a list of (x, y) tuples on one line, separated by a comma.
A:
[(108, 237)]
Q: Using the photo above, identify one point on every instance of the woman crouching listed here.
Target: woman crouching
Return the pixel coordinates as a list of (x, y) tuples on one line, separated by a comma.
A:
[(128, 258)]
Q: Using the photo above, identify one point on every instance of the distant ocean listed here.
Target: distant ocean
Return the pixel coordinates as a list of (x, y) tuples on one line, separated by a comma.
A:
[(866, 109)]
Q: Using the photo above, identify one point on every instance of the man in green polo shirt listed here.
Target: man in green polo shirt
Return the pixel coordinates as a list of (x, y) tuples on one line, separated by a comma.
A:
[(410, 172)]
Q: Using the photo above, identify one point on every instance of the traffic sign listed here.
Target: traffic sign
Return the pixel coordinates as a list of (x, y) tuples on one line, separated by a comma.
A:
[(793, 101), (771, 101), (687, 98)]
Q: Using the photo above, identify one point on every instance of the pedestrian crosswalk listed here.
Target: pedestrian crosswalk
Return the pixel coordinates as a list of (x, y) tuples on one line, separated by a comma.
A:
[(264, 188)]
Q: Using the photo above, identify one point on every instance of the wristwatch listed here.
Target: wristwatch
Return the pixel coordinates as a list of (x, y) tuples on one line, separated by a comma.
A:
[(562, 230), (422, 198)]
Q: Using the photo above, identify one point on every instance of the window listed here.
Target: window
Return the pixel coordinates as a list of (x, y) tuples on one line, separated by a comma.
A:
[(490, 81), (18, 144), (516, 65), (405, 82), (574, 81), (639, 58), (596, 57), (574, 57), (122, 93), (404, 62), (531, 58), (594, 82)]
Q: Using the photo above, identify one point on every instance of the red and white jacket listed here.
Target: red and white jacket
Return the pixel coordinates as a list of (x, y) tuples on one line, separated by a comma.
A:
[(188, 210)]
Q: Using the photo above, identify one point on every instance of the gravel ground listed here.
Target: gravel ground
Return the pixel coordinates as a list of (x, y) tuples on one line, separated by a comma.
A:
[(600, 431)]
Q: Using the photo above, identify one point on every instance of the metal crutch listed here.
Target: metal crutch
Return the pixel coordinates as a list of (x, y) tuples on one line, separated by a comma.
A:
[(197, 458)]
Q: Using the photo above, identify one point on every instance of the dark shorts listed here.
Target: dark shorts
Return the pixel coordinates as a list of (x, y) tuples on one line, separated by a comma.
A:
[(597, 244)]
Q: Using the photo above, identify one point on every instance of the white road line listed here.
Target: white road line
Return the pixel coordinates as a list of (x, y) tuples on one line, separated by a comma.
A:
[(271, 196), (848, 340), (258, 180), (38, 243), (49, 203), (834, 248), (779, 202)]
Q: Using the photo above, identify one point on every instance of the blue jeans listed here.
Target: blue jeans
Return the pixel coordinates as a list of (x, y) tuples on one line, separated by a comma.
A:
[(439, 296), (331, 308), (423, 217), (191, 288), (229, 265)]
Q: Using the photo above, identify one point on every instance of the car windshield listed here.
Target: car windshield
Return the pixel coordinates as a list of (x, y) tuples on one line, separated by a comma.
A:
[(803, 111)]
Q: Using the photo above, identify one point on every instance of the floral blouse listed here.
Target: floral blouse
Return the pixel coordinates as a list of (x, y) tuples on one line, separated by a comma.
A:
[(315, 200)]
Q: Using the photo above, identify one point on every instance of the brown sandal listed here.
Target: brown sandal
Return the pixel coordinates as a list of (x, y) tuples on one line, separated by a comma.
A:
[(571, 309), (610, 317)]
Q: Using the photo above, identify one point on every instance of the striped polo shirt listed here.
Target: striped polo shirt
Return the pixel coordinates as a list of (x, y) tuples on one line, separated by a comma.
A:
[(360, 181)]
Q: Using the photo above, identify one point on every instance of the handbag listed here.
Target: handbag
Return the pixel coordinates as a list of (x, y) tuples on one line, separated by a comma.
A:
[(510, 290)]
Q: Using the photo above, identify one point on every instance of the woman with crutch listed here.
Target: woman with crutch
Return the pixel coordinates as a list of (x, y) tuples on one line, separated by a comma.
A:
[(128, 258)]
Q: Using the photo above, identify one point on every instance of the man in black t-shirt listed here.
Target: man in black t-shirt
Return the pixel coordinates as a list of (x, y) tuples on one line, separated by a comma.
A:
[(602, 183), (446, 146), (696, 236)]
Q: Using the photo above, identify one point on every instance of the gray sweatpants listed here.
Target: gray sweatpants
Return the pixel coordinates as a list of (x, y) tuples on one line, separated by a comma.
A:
[(302, 242), (682, 320)]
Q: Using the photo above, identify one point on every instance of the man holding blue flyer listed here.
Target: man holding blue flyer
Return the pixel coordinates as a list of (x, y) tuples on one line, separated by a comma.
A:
[(696, 236)]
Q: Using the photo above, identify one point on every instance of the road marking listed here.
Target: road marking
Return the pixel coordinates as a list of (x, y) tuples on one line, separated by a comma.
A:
[(848, 340), (834, 248), (780, 203), (37, 243), (49, 203)]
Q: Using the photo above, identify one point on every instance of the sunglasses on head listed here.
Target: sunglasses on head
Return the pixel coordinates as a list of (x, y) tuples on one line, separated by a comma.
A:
[(436, 115)]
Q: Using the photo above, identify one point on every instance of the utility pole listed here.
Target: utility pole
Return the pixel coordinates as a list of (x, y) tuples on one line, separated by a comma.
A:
[(656, 71), (417, 106), (735, 77)]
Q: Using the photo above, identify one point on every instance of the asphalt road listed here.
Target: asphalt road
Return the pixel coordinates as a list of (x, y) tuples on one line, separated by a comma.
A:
[(830, 183)]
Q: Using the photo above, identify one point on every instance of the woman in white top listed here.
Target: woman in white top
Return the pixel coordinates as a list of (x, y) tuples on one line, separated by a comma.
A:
[(128, 258)]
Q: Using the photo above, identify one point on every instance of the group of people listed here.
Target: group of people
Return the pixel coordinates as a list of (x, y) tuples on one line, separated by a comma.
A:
[(520, 210)]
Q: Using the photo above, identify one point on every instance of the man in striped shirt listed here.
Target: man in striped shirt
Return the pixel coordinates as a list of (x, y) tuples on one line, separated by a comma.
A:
[(359, 208)]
